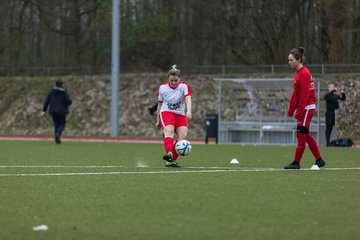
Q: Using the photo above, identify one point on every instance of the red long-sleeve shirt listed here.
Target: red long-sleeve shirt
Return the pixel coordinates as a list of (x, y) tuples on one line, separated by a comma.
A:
[(304, 93)]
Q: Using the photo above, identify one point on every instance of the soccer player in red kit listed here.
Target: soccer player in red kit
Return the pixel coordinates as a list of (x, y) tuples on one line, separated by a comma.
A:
[(302, 107), (173, 113)]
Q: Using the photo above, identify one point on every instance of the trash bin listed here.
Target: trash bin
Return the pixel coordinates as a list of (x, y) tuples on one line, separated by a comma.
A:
[(212, 125)]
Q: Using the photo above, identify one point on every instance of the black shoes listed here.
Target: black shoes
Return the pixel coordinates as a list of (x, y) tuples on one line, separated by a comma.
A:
[(293, 165), (168, 157), (169, 160), (172, 164), (57, 139), (320, 163)]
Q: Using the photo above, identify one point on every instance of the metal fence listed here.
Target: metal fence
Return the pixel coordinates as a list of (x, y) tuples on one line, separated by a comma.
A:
[(273, 68), (258, 118), (186, 69), (52, 71)]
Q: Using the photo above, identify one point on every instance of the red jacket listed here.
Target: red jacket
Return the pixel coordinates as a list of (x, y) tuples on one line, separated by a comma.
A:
[(304, 93)]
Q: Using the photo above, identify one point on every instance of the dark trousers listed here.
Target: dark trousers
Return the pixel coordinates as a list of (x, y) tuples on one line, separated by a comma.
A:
[(330, 122), (328, 130), (59, 123)]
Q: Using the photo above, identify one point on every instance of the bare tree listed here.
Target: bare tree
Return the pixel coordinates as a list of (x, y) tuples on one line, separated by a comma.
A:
[(157, 33)]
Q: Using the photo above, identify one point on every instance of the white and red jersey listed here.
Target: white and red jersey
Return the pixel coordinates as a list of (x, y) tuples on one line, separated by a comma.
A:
[(173, 99)]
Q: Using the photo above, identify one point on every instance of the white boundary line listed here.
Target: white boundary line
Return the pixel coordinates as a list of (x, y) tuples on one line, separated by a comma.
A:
[(183, 170)]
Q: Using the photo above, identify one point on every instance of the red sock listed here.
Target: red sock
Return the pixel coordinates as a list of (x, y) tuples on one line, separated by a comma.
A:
[(300, 148), (168, 144), (313, 146), (174, 152)]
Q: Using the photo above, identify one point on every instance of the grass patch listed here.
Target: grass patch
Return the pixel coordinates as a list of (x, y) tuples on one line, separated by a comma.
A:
[(153, 202)]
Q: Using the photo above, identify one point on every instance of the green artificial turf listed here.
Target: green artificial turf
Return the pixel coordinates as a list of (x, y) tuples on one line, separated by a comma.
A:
[(123, 191)]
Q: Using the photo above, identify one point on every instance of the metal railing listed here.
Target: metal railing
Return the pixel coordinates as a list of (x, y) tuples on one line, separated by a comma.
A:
[(186, 69), (272, 68)]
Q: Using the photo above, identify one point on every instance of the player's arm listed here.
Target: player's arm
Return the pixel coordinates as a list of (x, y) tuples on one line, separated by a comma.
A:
[(188, 105), (160, 102), (158, 114), (292, 105)]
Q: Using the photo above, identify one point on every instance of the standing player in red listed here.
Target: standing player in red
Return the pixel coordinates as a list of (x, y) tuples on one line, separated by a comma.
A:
[(173, 113), (302, 107)]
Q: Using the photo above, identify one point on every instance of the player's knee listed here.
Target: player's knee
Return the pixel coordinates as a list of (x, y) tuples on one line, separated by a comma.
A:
[(182, 135), (302, 129), (168, 133), (182, 132), (301, 137)]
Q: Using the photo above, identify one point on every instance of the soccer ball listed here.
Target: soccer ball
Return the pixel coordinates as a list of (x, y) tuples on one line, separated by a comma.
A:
[(183, 147)]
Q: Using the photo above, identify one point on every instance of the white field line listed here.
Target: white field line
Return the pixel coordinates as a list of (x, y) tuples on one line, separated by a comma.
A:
[(106, 173), (114, 166), (201, 170)]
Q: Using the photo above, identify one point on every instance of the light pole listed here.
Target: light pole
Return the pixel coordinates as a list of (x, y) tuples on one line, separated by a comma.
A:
[(115, 68)]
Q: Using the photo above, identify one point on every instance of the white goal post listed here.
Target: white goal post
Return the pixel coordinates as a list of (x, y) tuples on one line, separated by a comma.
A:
[(254, 111)]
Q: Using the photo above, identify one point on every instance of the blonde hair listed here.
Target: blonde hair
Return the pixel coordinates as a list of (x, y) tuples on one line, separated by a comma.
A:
[(174, 71)]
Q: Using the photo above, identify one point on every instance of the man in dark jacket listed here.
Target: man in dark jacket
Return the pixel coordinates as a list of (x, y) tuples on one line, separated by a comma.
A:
[(58, 102), (332, 103)]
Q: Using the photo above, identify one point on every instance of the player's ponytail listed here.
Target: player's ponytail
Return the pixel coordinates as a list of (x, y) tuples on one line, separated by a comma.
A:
[(301, 50), (174, 71)]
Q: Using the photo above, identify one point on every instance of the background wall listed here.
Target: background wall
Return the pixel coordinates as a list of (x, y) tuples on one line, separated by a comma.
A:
[(22, 98)]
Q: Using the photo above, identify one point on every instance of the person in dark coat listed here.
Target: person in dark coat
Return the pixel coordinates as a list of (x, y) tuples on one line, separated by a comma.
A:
[(332, 103), (57, 103)]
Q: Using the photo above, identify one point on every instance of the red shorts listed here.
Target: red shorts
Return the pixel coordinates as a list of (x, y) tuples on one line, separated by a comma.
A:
[(307, 116), (170, 118)]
